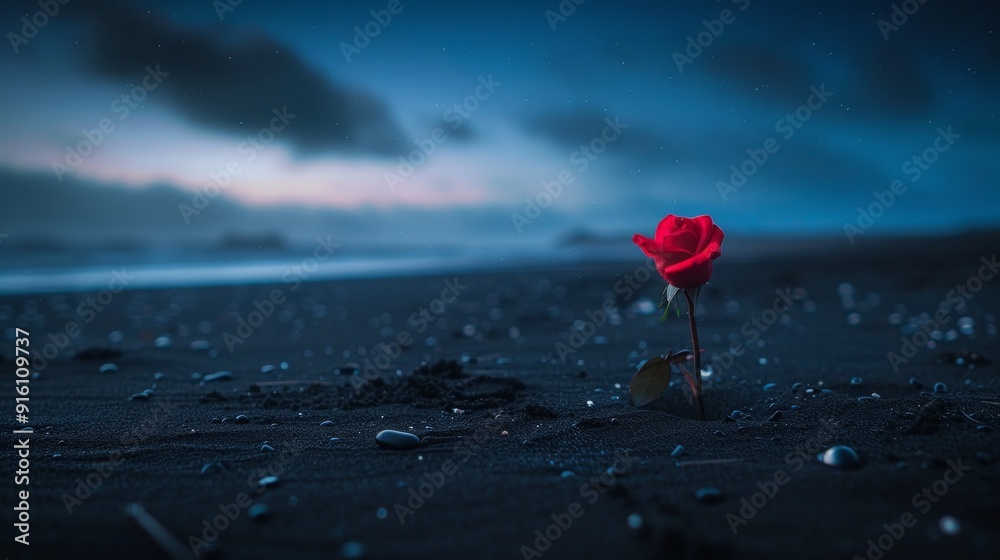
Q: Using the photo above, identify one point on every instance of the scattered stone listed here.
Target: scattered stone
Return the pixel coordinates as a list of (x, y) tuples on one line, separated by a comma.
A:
[(678, 451), (770, 386), (109, 367), (840, 457), (268, 481), (775, 417), (352, 549), (335, 439), (223, 375), (391, 439), (266, 448), (267, 368), (241, 419), (567, 474), (865, 399), (856, 381), (709, 495), (200, 346), (259, 512), (163, 342), (326, 423), (949, 526), (139, 397), (212, 468), (940, 387)]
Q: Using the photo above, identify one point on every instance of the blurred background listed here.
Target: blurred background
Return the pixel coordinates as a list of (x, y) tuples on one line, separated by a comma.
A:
[(197, 132)]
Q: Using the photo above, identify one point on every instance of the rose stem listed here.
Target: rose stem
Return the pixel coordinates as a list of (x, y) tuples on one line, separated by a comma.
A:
[(697, 355)]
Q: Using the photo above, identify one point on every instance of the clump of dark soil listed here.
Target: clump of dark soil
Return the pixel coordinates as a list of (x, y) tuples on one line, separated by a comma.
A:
[(444, 384)]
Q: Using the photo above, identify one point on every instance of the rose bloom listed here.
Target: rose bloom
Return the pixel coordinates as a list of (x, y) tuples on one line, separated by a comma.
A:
[(683, 249)]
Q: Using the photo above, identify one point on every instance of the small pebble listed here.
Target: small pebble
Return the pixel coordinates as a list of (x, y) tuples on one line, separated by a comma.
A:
[(770, 386), (259, 512), (326, 423), (242, 419), (268, 481), (267, 368), (139, 397), (774, 417), (352, 549), (856, 381), (709, 495), (200, 346), (210, 468), (335, 439), (391, 439), (916, 384), (940, 387), (223, 375), (108, 368), (634, 521), (381, 513), (865, 399), (678, 451), (949, 526), (266, 447), (840, 457), (567, 474)]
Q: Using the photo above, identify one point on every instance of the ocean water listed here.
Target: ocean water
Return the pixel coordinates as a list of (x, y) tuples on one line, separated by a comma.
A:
[(27, 272)]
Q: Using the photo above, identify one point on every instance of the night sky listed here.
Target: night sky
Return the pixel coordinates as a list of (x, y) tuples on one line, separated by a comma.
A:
[(506, 94)]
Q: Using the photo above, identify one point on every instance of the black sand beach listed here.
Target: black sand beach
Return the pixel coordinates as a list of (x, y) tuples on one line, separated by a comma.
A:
[(529, 446)]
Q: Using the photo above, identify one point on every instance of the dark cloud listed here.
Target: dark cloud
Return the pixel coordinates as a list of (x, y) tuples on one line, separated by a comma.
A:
[(750, 66), (570, 130), (230, 81), (891, 85)]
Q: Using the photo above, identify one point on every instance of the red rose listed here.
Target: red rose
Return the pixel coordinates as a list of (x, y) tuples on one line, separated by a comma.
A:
[(683, 249)]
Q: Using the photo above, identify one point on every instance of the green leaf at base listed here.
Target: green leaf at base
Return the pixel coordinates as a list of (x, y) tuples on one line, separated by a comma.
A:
[(650, 381)]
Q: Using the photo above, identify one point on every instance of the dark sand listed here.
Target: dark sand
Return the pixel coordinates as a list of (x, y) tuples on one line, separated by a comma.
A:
[(526, 424)]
